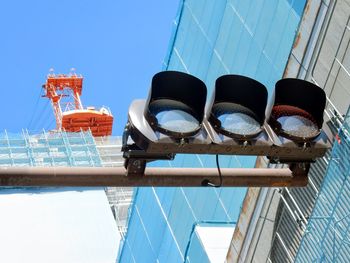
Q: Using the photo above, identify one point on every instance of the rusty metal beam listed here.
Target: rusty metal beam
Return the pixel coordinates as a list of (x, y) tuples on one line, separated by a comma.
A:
[(108, 176)]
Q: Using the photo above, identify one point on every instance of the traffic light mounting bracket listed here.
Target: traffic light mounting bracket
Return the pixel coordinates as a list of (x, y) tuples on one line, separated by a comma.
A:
[(136, 161)]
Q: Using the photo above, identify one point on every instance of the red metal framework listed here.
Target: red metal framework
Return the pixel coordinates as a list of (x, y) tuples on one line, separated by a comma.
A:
[(64, 93)]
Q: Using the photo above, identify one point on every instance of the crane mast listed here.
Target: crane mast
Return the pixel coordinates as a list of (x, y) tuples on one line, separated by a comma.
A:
[(64, 91)]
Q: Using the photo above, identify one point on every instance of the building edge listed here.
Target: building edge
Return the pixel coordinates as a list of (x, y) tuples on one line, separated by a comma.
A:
[(254, 237)]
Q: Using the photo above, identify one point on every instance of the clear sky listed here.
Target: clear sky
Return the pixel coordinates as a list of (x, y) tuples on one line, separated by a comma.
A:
[(116, 45)]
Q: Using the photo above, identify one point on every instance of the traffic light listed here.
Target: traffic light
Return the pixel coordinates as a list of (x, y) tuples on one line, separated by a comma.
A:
[(171, 119), (238, 107), (297, 112), (296, 117), (177, 119), (236, 116), (175, 105)]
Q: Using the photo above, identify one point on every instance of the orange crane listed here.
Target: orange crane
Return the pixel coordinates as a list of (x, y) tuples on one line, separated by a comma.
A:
[(64, 91)]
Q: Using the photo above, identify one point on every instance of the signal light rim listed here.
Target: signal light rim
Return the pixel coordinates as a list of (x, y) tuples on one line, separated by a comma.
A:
[(277, 126), (216, 124), (236, 91), (153, 122)]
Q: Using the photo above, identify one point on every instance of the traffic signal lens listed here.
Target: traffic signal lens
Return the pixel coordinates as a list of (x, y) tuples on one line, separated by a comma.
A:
[(175, 104), (173, 116), (236, 120), (298, 126), (235, 110), (295, 123)]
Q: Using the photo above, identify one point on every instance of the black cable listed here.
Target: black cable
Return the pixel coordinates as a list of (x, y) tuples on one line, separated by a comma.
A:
[(35, 110), (207, 182), (50, 125), (40, 122)]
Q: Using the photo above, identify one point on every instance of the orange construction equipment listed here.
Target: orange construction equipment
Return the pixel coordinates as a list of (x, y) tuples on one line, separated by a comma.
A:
[(64, 92)]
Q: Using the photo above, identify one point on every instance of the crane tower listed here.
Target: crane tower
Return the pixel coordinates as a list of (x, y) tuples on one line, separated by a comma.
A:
[(64, 91)]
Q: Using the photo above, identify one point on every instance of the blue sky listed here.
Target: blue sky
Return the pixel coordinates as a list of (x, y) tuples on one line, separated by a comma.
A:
[(116, 45)]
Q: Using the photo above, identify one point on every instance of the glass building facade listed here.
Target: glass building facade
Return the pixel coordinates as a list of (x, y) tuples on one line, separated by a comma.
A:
[(251, 38)]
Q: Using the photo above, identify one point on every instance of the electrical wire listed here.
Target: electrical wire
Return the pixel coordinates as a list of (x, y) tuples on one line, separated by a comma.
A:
[(42, 119), (35, 109), (207, 182), (50, 124)]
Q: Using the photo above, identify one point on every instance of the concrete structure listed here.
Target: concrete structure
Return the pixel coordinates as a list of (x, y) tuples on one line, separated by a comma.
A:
[(308, 224)]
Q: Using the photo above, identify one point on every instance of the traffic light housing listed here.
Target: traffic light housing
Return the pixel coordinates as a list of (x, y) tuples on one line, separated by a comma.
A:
[(236, 116), (296, 119), (176, 101), (238, 107), (170, 107), (297, 112), (177, 119)]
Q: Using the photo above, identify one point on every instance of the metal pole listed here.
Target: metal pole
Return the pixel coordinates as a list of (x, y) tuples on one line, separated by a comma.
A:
[(116, 176)]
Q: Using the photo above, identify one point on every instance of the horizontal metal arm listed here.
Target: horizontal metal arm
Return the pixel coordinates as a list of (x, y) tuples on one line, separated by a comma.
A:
[(116, 176)]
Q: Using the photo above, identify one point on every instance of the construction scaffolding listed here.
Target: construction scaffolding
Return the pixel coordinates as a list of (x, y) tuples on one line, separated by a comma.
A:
[(307, 229), (120, 198), (48, 149), (69, 149), (327, 237)]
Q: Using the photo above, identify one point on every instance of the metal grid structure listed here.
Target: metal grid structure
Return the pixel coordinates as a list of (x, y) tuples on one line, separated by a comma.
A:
[(48, 149), (120, 198), (294, 211), (298, 212), (311, 223), (327, 236), (59, 148), (321, 55)]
